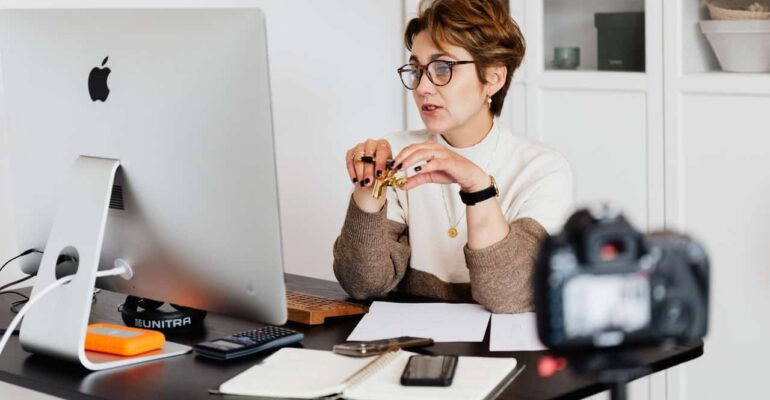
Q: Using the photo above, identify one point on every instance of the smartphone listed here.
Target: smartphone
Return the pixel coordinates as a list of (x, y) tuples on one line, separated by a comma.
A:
[(373, 347), (429, 371)]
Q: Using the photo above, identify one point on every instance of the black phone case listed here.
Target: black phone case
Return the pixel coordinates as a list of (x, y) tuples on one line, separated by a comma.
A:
[(408, 377)]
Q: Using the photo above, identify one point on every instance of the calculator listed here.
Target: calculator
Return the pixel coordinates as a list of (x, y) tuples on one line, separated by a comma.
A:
[(249, 342)]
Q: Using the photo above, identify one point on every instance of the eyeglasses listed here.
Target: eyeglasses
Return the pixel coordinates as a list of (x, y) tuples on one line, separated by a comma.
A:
[(439, 72)]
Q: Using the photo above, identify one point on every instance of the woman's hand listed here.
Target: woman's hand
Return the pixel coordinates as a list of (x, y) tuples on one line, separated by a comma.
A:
[(367, 162), (441, 166)]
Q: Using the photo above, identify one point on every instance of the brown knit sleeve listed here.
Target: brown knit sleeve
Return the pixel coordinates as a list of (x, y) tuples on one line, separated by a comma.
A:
[(502, 274), (371, 254)]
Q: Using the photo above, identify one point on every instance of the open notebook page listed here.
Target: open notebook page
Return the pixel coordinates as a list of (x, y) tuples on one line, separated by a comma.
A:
[(296, 373), (475, 378)]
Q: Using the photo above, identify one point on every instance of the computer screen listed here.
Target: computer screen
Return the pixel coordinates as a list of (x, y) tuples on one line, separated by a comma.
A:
[(181, 98)]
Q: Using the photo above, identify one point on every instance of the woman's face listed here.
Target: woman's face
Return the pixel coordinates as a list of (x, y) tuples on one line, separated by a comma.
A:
[(452, 106)]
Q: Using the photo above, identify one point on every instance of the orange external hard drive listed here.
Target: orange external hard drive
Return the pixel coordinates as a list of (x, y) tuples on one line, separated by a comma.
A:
[(122, 340)]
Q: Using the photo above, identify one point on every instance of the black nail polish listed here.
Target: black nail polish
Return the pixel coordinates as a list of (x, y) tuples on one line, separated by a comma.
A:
[(363, 183), (366, 181), (417, 169), (379, 173), (355, 180), (399, 165), (389, 164)]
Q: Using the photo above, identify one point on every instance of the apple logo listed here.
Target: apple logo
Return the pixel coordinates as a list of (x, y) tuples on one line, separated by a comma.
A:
[(97, 82)]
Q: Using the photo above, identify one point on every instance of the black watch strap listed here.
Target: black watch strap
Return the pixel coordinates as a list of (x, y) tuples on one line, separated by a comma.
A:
[(477, 197)]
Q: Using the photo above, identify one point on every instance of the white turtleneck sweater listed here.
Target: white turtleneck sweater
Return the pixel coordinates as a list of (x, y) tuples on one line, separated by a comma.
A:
[(534, 182)]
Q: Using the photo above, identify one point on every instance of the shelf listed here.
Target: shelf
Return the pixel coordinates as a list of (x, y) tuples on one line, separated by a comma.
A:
[(592, 80), (726, 83), (570, 23), (697, 55)]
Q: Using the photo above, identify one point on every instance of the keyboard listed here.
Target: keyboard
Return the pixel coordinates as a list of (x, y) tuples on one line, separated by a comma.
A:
[(313, 310)]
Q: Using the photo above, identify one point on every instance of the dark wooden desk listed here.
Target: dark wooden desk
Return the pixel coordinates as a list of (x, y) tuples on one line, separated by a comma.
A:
[(190, 377)]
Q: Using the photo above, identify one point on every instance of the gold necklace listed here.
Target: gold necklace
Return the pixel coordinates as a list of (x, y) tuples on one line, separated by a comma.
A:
[(452, 231)]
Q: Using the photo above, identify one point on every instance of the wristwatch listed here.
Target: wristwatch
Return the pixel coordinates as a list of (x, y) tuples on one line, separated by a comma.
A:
[(477, 197)]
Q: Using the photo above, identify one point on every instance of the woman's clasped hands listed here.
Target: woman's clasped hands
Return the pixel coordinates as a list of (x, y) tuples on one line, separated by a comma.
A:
[(432, 162)]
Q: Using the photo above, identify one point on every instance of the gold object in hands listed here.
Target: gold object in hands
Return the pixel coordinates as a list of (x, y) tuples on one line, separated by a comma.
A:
[(388, 178)]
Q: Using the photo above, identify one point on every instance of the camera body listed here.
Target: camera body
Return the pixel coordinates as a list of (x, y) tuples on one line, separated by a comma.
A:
[(600, 283)]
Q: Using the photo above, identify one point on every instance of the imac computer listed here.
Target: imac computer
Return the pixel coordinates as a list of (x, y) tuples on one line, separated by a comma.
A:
[(142, 138)]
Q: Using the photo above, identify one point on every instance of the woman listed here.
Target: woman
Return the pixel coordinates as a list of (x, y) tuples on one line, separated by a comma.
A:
[(468, 223)]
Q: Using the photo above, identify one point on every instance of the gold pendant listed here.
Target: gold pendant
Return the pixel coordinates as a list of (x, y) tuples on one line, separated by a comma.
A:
[(452, 232)]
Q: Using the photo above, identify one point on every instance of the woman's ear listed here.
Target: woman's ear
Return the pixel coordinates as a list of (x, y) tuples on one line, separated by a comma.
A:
[(495, 79)]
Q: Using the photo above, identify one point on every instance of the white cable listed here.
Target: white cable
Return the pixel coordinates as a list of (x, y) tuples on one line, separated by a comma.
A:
[(52, 286)]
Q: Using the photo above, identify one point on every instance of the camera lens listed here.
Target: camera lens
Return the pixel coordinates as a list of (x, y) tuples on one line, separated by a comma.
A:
[(611, 250)]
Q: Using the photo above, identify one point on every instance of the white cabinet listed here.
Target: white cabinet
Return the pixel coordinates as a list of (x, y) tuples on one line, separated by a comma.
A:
[(717, 140), (571, 23), (608, 124), (681, 145)]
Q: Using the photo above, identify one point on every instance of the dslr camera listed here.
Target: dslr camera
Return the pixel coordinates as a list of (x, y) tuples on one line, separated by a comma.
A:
[(602, 284)]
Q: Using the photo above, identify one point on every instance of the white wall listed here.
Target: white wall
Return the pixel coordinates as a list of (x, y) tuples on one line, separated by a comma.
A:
[(7, 239), (334, 84)]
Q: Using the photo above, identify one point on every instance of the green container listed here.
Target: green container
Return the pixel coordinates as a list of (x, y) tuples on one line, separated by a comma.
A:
[(620, 41)]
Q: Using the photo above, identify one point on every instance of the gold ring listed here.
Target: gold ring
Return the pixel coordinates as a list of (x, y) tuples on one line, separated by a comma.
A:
[(358, 156)]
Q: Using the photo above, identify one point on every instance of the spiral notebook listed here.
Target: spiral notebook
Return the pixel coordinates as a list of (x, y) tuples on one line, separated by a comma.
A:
[(294, 373)]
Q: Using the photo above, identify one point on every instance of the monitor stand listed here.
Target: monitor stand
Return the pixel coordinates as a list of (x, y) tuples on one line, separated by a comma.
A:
[(56, 324)]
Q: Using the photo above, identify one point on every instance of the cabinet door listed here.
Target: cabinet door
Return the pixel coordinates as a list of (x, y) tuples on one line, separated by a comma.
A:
[(604, 136), (721, 197)]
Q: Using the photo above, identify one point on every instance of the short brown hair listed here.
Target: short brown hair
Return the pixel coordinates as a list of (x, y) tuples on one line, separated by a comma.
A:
[(483, 27)]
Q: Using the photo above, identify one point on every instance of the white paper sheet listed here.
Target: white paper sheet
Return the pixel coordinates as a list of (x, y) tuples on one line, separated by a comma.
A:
[(514, 332), (441, 322)]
